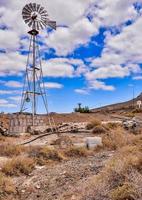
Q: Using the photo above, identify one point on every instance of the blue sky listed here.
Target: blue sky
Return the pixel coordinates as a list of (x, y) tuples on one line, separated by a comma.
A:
[(94, 57)]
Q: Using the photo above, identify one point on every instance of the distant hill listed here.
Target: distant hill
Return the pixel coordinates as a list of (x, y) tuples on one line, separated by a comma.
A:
[(128, 105)]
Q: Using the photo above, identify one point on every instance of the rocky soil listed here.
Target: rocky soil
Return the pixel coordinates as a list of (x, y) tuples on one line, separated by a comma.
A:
[(57, 182)]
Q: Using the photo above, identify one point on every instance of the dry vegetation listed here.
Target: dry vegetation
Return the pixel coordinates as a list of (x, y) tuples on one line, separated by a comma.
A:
[(99, 129), (120, 179), (77, 152), (11, 150), (6, 187), (44, 155), (92, 124), (18, 165)]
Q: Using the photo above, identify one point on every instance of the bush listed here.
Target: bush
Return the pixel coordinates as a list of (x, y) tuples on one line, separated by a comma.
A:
[(99, 129), (112, 125), (126, 191), (77, 152), (82, 110), (44, 155), (11, 150), (120, 179), (18, 165), (6, 186), (114, 140), (92, 124)]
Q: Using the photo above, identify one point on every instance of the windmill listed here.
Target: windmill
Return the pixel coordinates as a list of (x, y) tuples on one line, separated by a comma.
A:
[(36, 17)]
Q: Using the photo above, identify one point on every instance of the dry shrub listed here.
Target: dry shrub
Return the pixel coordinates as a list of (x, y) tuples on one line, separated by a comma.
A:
[(2, 138), (112, 125), (6, 186), (92, 124), (43, 155), (126, 191), (11, 150), (120, 179), (63, 142), (99, 129), (115, 139), (77, 152), (18, 165)]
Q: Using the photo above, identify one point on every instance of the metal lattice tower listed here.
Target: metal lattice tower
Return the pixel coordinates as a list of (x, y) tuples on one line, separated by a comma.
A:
[(37, 18)]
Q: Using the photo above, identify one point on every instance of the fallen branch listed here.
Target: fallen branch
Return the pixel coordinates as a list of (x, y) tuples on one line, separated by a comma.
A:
[(37, 138)]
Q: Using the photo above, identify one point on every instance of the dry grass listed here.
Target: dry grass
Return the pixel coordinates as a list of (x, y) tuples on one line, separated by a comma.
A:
[(11, 150), (6, 186), (18, 165), (112, 125), (119, 138), (121, 178), (92, 124), (126, 191), (77, 152), (99, 129), (44, 155)]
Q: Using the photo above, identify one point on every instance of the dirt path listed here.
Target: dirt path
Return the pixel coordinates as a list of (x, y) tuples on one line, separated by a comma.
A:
[(56, 181)]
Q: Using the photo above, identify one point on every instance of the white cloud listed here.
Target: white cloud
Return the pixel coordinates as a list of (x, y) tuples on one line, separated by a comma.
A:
[(82, 91), (4, 103), (112, 71), (7, 92), (9, 39), (137, 78), (15, 98), (64, 40), (61, 67), (113, 13), (13, 84), (52, 85), (12, 63), (99, 85), (53, 68)]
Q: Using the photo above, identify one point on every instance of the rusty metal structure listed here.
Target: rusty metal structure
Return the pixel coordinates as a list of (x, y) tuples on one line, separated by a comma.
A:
[(36, 17)]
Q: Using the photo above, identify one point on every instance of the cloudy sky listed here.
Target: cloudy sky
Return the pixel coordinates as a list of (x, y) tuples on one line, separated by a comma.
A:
[(94, 57)]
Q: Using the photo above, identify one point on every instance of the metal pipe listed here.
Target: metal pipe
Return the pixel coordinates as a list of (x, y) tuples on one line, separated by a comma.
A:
[(34, 79)]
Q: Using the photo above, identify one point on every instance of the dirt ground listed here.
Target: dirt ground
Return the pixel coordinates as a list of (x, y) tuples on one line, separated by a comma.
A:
[(58, 181)]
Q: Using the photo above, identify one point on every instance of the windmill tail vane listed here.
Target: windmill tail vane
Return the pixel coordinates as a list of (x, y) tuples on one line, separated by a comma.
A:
[(36, 17)]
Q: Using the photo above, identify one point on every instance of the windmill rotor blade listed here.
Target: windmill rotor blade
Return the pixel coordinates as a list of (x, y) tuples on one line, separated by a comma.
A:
[(29, 6), (52, 24), (34, 6), (44, 23), (38, 7), (41, 9), (44, 19), (27, 21), (41, 25), (43, 12), (38, 26), (45, 15), (30, 24), (26, 9), (25, 13), (26, 18)]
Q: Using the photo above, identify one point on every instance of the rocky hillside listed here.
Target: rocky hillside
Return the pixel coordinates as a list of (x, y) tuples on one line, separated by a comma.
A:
[(128, 105)]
